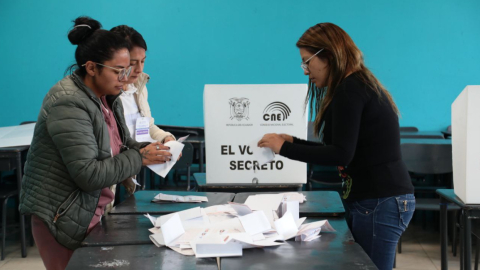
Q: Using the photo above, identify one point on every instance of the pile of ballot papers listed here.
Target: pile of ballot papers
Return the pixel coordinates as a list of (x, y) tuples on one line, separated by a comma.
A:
[(225, 230)]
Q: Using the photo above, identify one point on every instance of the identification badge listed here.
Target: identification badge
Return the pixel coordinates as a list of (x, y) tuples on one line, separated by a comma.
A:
[(142, 130)]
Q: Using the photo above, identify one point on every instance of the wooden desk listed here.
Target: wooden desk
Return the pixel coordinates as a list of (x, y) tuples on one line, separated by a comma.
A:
[(469, 212), (202, 185), (141, 202), (318, 204)]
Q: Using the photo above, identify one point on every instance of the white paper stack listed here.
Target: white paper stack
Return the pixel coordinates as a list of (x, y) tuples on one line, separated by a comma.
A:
[(225, 230), (176, 198)]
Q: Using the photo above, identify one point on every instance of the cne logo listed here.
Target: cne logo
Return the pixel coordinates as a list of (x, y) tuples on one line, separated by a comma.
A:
[(239, 108), (276, 111)]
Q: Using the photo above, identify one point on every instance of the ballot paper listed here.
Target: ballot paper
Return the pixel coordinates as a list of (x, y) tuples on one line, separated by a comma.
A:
[(157, 239), (289, 206), (152, 219), (163, 169), (255, 223), (219, 213), (261, 154), (286, 226), (215, 243), (294, 196), (176, 198), (184, 215), (16, 135), (240, 209), (182, 139), (155, 230), (310, 231), (264, 201), (247, 241), (172, 229)]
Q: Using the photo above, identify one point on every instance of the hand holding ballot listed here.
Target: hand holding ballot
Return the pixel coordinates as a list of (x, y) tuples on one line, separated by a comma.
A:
[(273, 141), (155, 153)]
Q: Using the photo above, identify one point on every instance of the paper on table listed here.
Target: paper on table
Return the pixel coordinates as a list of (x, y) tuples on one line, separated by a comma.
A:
[(152, 219), (286, 226), (157, 239), (172, 229), (292, 207), (247, 242), (300, 221), (182, 139), (294, 196), (155, 230), (255, 222), (219, 209), (161, 197), (184, 215), (258, 237), (264, 201), (186, 252), (323, 224), (241, 209), (16, 135), (261, 155), (163, 169)]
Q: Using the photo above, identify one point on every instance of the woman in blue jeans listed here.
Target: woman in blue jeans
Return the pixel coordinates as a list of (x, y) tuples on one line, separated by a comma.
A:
[(356, 122)]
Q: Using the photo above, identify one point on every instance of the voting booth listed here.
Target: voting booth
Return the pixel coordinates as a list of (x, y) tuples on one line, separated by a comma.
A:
[(237, 117), (466, 145)]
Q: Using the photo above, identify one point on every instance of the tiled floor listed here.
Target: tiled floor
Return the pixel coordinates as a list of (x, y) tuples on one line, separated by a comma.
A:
[(421, 250)]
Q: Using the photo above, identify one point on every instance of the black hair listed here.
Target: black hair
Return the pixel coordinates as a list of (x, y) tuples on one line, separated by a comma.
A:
[(131, 35), (94, 44)]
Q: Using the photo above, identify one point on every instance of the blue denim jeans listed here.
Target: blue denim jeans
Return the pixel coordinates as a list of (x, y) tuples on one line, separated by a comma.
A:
[(377, 224)]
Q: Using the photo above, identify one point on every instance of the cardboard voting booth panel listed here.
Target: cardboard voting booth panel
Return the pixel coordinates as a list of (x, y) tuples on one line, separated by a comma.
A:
[(237, 117), (466, 145)]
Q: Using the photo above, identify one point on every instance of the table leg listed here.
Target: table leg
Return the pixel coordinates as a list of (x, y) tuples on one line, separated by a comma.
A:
[(202, 147), (443, 234), (468, 240), (22, 217)]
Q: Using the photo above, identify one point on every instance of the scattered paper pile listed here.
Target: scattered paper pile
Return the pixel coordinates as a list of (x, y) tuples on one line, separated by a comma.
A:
[(176, 198), (225, 230)]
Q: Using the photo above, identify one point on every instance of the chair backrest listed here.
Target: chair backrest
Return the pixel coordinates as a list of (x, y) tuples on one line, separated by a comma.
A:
[(427, 158), (408, 129), (187, 157)]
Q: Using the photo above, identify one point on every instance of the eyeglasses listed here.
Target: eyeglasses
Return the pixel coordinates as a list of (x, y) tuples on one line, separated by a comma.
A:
[(304, 64), (122, 72)]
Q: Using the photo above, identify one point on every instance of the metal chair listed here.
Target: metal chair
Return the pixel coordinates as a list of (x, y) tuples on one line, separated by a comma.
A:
[(326, 178), (6, 192), (429, 159)]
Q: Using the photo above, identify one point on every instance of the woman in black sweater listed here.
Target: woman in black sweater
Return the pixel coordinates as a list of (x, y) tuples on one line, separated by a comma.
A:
[(357, 125)]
